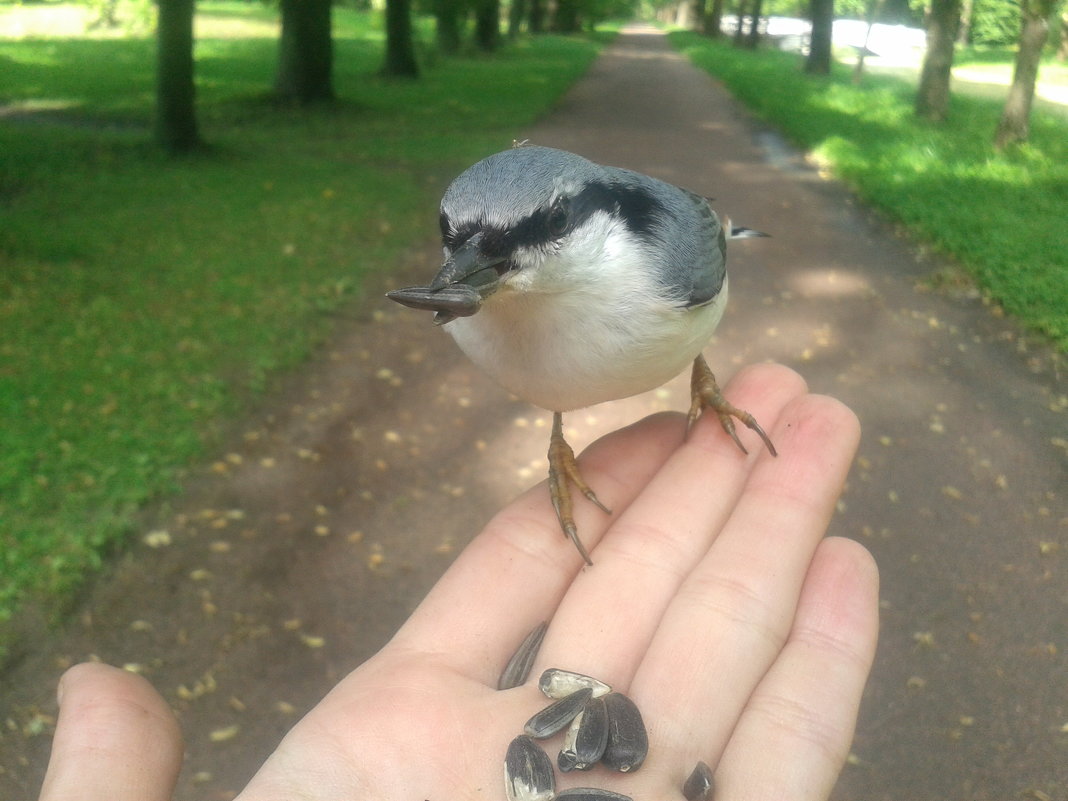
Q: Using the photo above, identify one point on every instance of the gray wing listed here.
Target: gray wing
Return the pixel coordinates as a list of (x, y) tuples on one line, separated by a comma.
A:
[(709, 268)]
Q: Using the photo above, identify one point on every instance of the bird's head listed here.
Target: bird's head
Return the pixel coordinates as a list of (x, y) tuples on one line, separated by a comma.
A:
[(532, 219)]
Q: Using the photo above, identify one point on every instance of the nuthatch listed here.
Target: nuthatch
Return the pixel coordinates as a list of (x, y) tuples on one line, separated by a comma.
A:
[(571, 284)]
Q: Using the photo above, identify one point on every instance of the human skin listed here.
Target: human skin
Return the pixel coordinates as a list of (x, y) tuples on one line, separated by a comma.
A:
[(716, 601)]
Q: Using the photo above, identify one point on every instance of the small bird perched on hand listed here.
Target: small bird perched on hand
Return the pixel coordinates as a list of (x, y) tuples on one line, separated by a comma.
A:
[(571, 284)]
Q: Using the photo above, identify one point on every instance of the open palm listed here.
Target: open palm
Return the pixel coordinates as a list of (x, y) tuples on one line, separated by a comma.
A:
[(715, 601)]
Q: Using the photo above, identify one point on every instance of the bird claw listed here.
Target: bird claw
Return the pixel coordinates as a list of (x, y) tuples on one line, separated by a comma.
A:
[(563, 471), (706, 394)]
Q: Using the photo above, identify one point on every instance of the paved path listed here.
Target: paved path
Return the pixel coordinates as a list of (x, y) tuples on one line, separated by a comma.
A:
[(298, 553)]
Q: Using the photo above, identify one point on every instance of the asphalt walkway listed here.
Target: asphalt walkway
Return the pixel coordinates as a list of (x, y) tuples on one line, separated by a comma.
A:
[(296, 555)]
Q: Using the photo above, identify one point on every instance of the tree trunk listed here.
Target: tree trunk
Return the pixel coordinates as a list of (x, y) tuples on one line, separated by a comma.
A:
[(305, 52), (932, 98), (739, 32), (516, 12), (566, 19), (176, 121), (487, 25), (714, 20), (1015, 123), (700, 11), (753, 38), (1062, 50), (819, 47), (967, 13), (447, 28), (537, 16), (400, 50)]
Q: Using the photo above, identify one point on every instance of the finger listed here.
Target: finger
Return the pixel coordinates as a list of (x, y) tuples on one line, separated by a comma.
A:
[(794, 736), (116, 739), (611, 613), (733, 614), (513, 575)]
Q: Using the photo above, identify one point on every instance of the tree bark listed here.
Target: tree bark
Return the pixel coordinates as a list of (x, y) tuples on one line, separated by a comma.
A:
[(447, 27), (819, 47), (566, 19), (1062, 50), (176, 122), (752, 40), (516, 13), (305, 52), (714, 20), (1015, 123), (400, 50), (488, 25), (536, 23), (932, 98), (739, 32)]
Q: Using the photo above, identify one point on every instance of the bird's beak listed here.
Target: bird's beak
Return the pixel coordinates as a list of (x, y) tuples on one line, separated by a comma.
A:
[(466, 278)]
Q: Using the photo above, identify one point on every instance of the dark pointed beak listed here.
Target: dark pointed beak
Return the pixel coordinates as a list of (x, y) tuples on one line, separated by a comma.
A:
[(466, 278)]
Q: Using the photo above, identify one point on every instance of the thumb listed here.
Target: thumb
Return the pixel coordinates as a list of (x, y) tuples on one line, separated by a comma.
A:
[(116, 739)]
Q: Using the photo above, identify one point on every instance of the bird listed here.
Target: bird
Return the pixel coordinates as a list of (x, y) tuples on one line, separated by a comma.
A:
[(571, 283)]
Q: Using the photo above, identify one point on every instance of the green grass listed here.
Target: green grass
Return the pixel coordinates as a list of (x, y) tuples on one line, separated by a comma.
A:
[(1000, 215), (144, 301)]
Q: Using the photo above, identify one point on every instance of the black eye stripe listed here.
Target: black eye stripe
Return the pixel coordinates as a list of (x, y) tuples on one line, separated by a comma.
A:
[(640, 211)]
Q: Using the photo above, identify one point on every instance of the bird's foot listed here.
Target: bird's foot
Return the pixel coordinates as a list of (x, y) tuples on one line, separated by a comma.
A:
[(706, 394), (563, 471)]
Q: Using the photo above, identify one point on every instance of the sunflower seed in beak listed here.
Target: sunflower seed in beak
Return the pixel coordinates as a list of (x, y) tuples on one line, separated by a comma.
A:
[(699, 785), (518, 668), (628, 744), (528, 772), (557, 683)]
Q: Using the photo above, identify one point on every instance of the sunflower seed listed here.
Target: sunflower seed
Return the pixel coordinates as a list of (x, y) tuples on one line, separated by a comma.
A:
[(586, 739), (557, 683), (700, 784), (518, 667), (557, 714), (628, 743), (528, 773), (590, 794)]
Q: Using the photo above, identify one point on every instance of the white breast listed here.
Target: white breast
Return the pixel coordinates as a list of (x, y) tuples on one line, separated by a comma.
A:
[(595, 342)]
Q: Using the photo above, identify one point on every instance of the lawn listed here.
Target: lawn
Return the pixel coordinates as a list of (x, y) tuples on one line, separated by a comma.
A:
[(145, 301), (999, 215)]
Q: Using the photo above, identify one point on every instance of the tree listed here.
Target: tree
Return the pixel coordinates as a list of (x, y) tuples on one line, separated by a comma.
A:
[(1015, 123), (566, 18), (932, 98), (714, 20), (537, 16), (753, 38), (305, 52), (448, 15), (400, 50), (176, 121), (1062, 49), (487, 24), (821, 13), (516, 12)]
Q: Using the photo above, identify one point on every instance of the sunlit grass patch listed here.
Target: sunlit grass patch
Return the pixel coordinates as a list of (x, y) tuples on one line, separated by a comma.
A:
[(1001, 214), (143, 300)]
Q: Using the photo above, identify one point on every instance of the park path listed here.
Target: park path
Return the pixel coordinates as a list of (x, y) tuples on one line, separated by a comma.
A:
[(298, 552)]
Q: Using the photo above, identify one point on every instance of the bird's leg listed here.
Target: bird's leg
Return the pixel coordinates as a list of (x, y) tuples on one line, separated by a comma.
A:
[(705, 394), (563, 469)]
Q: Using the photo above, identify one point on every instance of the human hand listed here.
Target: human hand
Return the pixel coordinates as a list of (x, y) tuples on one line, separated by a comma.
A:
[(715, 602)]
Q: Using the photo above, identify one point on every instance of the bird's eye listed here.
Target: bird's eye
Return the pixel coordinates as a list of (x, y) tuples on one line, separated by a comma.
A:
[(559, 217)]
